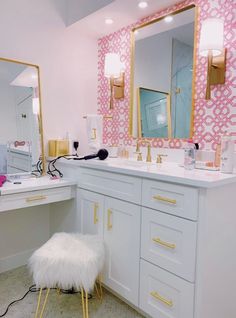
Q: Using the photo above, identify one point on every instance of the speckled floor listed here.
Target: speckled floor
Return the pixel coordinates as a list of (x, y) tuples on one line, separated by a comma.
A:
[(15, 283)]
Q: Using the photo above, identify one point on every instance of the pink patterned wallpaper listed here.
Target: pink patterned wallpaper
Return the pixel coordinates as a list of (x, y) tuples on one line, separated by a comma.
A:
[(211, 118)]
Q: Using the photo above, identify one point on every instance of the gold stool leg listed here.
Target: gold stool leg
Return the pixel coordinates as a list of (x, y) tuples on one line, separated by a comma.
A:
[(82, 299), (39, 301), (86, 305), (44, 304), (100, 286)]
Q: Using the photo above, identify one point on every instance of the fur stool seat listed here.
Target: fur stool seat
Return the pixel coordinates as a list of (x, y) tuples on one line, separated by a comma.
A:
[(68, 260)]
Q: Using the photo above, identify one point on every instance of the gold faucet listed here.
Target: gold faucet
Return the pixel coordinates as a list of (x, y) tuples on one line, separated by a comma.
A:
[(159, 158), (149, 157)]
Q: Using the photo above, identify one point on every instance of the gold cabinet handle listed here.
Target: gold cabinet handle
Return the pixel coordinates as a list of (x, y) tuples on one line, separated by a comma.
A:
[(163, 243), (36, 198), (165, 301), (164, 199), (109, 224), (95, 210)]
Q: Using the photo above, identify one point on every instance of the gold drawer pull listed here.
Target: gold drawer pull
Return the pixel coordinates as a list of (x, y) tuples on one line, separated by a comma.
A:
[(164, 199), (109, 224), (95, 209), (163, 243), (36, 198), (165, 301)]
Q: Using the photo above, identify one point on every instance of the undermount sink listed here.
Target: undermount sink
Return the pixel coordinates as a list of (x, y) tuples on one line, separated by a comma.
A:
[(143, 165)]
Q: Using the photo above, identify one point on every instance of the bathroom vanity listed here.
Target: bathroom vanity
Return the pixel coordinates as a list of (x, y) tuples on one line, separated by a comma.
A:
[(169, 234), (35, 191)]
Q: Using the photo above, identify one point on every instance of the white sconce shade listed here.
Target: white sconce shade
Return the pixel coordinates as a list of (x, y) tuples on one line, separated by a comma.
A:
[(212, 37), (112, 65)]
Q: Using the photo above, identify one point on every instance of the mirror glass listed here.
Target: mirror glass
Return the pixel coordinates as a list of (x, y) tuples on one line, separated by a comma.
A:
[(154, 113), (21, 126), (162, 76)]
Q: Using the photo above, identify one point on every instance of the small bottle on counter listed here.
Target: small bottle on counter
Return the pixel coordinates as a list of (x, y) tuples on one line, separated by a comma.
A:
[(227, 154), (189, 155)]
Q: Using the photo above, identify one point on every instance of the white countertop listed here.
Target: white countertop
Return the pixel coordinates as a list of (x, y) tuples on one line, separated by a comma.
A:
[(33, 184), (168, 171)]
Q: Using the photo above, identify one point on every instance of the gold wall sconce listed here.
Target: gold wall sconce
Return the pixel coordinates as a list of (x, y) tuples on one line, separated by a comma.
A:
[(113, 71), (212, 46)]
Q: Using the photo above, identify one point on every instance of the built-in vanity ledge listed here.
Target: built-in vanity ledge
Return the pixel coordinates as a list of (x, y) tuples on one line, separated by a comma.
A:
[(35, 191), (168, 172)]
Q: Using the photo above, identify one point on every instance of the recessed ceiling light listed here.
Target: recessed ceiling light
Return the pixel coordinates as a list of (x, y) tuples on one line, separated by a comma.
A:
[(143, 4), (168, 18), (136, 32), (109, 21)]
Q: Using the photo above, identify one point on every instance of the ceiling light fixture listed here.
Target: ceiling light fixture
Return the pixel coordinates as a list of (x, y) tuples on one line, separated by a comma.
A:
[(143, 4), (109, 21), (168, 18)]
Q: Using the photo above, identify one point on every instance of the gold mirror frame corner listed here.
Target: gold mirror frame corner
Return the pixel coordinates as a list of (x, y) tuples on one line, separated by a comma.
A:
[(40, 108), (132, 38)]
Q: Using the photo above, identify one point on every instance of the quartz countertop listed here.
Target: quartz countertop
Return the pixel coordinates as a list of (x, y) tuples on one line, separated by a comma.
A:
[(167, 171), (33, 184)]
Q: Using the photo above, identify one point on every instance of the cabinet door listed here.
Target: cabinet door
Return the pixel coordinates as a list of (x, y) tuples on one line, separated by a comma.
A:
[(91, 212), (122, 240)]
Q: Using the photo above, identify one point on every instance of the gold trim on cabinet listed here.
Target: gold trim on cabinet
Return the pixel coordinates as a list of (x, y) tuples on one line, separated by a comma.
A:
[(36, 198), (95, 210), (40, 108), (163, 243), (165, 301), (132, 38), (109, 224), (164, 199)]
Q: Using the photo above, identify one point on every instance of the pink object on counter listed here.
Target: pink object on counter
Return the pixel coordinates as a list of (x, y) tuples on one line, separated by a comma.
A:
[(2, 180)]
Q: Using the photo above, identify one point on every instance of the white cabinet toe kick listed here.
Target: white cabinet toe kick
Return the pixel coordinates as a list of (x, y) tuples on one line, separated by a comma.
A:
[(164, 242)]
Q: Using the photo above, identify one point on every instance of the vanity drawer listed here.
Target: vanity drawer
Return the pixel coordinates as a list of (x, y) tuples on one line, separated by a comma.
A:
[(119, 186), (164, 295), (33, 198), (170, 198), (169, 242)]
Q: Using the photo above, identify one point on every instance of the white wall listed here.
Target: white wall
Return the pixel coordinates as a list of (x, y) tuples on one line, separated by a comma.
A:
[(33, 31)]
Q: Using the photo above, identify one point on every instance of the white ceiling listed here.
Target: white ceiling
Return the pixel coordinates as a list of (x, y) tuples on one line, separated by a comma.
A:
[(181, 19), (123, 12)]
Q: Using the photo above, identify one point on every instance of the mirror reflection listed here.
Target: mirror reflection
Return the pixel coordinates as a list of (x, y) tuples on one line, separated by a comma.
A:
[(163, 54), (154, 114), (20, 128)]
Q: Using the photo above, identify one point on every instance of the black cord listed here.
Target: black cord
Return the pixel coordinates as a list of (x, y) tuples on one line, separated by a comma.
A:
[(53, 171), (33, 289)]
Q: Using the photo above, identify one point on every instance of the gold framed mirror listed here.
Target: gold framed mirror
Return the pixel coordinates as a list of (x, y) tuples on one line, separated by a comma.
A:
[(21, 128), (163, 54)]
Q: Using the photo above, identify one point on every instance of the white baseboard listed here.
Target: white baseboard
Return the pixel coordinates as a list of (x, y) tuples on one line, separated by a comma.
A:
[(15, 261)]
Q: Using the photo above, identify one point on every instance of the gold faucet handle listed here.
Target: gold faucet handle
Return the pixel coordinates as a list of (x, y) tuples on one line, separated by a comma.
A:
[(139, 158), (137, 147), (159, 158)]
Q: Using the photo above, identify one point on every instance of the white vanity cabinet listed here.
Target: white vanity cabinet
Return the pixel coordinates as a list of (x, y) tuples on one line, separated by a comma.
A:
[(170, 236), (91, 207), (113, 219)]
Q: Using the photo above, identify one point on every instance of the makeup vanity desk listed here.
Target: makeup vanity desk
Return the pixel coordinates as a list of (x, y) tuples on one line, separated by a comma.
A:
[(35, 191)]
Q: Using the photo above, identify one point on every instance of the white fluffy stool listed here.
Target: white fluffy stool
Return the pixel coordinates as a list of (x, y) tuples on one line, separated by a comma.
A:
[(68, 260)]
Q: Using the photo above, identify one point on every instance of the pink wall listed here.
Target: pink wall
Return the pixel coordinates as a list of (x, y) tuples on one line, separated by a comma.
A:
[(212, 118)]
